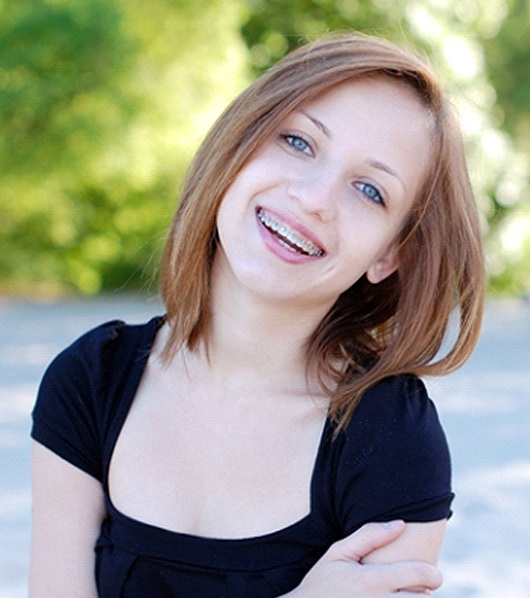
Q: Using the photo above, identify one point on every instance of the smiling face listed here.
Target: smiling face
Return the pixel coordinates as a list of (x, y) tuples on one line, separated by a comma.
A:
[(321, 203)]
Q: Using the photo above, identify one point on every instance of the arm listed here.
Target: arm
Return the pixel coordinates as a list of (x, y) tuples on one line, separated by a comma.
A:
[(405, 473), (418, 542), (67, 511), (361, 566)]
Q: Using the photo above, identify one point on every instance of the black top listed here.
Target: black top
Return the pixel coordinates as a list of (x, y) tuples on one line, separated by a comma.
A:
[(391, 462)]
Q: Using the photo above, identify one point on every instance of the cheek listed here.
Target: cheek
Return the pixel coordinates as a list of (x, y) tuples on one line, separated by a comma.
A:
[(234, 219), (223, 224), (367, 243), (223, 220), (236, 197), (228, 208)]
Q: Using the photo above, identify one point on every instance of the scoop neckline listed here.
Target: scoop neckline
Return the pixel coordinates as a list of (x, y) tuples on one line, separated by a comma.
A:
[(151, 530)]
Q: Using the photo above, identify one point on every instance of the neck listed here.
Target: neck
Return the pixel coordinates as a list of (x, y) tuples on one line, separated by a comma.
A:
[(257, 339)]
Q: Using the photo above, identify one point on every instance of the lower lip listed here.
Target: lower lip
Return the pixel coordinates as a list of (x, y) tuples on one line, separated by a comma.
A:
[(274, 245)]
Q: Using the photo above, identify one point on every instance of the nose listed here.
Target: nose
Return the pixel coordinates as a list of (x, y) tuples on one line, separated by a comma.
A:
[(317, 193)]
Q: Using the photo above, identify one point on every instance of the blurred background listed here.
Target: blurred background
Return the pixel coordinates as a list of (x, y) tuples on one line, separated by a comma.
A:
[(102, 104)]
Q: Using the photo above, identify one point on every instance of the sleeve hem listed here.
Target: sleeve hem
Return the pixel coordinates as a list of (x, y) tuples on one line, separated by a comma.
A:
[(44, 435), (426, 511)]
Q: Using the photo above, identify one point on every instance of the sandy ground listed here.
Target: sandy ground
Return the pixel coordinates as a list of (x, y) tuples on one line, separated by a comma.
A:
[(485, 409)]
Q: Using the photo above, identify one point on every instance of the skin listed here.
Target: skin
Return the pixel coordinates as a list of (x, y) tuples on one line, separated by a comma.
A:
[(67, 570), (67, 511), (326, 175), (344, 563), (342, 173)]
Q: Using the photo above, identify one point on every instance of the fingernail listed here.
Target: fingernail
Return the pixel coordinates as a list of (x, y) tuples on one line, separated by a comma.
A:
[(393, 524)]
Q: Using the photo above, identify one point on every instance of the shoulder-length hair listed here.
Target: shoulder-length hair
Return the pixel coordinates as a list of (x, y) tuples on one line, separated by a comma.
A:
[(373, 330)]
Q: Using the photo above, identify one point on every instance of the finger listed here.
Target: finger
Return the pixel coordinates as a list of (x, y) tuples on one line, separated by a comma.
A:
[(414, 576), (365, 540)]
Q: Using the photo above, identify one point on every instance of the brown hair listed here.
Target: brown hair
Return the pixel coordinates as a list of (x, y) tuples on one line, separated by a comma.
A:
[(373, 331)]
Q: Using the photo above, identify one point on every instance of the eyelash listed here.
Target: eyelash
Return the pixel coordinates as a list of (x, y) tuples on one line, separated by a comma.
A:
[(371, 192), (291, 139)]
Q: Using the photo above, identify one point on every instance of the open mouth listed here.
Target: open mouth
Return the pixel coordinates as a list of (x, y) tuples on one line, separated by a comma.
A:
[(287, 237)]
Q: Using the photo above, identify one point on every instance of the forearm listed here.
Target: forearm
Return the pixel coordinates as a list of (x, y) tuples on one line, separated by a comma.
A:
[(376, 560)]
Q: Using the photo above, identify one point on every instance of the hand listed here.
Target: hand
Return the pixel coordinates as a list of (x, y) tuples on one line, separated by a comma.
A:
[(340, 573)]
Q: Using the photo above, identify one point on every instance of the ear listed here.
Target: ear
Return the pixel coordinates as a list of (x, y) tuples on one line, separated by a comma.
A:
[(383, 266)]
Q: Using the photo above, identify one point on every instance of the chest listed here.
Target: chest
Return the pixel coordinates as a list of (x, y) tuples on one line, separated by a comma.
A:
[(216, 469)]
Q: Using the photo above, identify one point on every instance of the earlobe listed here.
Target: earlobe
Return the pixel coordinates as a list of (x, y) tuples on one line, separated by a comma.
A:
[(383, 267)]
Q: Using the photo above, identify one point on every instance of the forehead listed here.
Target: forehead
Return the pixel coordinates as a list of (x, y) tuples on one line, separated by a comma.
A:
[(373, 120), (381, 90), (371, 110)]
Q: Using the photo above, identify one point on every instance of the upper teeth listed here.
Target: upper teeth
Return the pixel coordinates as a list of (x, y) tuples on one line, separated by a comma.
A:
[(289, 235)]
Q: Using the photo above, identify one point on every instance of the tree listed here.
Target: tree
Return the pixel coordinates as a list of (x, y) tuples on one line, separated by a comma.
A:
[(507, 58), (102, 103), (62, 69), (454, 35)]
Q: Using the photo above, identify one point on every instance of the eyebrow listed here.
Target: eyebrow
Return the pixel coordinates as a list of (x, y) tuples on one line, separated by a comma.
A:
[(386, 168), (320, 125), (373, 163)]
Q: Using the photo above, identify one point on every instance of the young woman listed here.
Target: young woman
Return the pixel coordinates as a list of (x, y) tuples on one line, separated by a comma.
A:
[(239, 445)]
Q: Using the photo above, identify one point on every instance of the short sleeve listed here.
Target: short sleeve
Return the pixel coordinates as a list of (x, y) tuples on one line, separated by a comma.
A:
[(70, 406), (394, 460)]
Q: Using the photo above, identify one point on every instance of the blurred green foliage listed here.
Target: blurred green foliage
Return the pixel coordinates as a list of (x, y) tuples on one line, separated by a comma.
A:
[(482, 54), (276, 26), (102, 103), (63, 73), (508, 64)]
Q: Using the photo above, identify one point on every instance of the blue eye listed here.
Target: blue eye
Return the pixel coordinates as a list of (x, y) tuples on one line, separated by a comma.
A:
[(298, 143), (371, 192)]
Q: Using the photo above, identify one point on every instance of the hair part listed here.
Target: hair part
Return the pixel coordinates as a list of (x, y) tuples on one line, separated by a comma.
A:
[(373, 331)]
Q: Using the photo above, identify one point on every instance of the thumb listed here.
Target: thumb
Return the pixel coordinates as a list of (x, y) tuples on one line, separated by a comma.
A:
[(365, 540)]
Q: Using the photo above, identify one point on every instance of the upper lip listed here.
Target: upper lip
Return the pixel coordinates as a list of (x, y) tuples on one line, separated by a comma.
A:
[(295, 225)]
